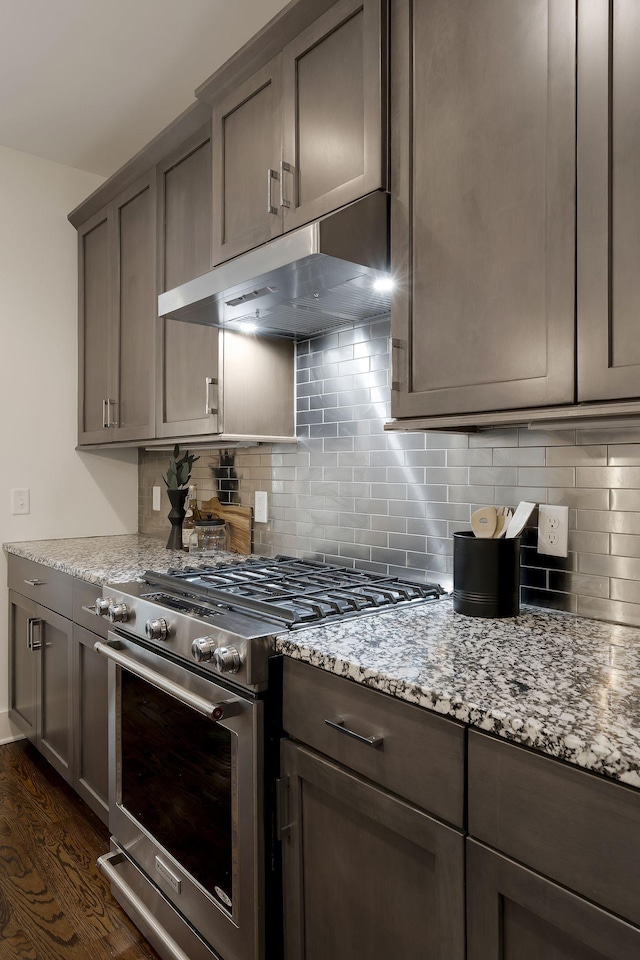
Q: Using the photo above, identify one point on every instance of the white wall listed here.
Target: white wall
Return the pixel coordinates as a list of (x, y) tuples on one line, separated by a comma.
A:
[(72, 494)]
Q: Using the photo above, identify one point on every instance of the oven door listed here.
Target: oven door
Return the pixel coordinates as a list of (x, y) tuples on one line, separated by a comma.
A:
[(185, 791)]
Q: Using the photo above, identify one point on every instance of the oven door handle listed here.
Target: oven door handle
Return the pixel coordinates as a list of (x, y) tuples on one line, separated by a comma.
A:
[(214, 711), (107, 864)]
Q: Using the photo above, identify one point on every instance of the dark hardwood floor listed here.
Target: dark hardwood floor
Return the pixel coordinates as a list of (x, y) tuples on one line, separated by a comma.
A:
[(54, 903)]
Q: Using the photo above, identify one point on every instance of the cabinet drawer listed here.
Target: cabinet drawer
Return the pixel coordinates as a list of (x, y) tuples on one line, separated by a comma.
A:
[(48, 586), (575, 827), (420, 755), (84, 598)]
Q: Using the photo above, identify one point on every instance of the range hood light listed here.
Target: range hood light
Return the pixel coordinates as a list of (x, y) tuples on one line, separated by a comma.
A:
[(245, 326), (383, 284)]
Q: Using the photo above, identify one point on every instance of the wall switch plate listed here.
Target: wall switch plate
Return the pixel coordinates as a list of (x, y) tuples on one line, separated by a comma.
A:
[(261, 507), (155, 493), (553, 530), (21, 500)]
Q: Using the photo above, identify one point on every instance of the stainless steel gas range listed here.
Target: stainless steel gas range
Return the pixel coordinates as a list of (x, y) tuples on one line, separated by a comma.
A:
[(194, 731)]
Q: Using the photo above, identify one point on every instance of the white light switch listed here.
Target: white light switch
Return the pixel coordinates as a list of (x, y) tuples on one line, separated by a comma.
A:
[(261, 509), (21, 501), (155, 492)]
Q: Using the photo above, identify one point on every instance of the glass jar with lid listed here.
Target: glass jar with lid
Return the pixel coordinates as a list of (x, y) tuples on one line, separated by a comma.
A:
[(208, 536)]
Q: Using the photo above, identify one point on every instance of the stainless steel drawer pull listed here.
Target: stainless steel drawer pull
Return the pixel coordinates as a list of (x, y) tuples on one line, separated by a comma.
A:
[(34, 582), (208, 383), (158, 936), (271, 175), (284, 168), (32, 643), (338, 724), (90, 609)]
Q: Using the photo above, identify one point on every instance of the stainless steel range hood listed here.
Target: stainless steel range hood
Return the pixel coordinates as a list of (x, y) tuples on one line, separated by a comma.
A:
[(317, 278)]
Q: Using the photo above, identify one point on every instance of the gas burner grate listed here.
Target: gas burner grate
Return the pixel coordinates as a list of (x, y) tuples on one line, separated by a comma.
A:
[(291, 590)]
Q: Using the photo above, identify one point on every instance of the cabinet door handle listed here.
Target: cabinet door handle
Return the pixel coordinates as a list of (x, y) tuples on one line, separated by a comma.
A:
[(397, 346), (34, 582), (208, 383), (105, 414), (284, 168), (338, 724), (32, 643), (271, 175), (110, 422)]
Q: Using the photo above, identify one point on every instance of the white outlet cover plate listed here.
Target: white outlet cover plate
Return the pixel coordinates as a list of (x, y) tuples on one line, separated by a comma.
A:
[(261, 507), (553, 530), (155, 494)]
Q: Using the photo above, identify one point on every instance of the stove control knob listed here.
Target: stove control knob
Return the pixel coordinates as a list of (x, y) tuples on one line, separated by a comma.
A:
[(118, 612), (202, 648), (102, 605), (156, 629), (226, 659)]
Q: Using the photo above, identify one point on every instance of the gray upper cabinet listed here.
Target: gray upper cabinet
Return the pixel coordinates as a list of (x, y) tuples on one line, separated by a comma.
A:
[(247, 128), (608, 282), (186, 354), (483, 176), (333, 78), (117, 314), (306, 133)]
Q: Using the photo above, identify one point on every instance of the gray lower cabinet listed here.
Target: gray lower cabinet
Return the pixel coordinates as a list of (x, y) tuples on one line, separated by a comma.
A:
[(90, 702), (562, 876), (483, 179), (40, 672), (117, 316), (57, 682), (516, 914), (367, 872), (306, 133)]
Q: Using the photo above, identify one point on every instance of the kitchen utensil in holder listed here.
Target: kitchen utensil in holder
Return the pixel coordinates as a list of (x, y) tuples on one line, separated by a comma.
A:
[(486, 576)]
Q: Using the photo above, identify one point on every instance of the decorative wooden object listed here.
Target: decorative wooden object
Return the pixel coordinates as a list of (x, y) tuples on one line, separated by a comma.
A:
[(239, 522)]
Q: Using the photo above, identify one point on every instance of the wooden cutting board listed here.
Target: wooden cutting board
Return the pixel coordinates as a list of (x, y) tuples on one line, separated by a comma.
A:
[(239, 521)]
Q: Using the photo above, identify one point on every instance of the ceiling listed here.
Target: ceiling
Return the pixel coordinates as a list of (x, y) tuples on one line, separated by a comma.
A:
[(88, 83)]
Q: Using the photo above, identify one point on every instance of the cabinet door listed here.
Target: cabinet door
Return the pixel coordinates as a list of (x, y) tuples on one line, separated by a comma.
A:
[(334, 101), (23, 665), (91, 723), (187, 353), (515, 914), (95, 290), (247, 145), (608, 200), (135, 313), (483, 167), (365, 874), (55, 739)]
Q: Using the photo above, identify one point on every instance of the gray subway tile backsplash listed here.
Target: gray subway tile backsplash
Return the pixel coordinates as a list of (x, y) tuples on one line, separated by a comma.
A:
[(352, 494)]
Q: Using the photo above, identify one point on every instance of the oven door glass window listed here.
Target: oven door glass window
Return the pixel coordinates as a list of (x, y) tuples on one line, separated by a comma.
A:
[(176, 781)]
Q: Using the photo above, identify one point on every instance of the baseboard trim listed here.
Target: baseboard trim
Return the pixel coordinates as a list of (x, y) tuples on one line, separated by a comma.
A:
[(8, 730)]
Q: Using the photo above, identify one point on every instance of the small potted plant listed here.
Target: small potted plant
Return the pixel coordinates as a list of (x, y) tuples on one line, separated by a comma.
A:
[(177, 482)]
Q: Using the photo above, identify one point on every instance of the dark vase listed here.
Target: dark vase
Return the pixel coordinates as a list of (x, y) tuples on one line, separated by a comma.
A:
[(176, 516)]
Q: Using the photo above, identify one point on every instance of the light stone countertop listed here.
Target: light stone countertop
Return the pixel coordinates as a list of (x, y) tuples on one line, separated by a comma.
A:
[(111, 559), (563, 685)]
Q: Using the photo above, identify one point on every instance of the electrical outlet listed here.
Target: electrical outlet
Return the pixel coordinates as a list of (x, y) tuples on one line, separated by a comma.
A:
[(261, 507), (155, 494), (553, 530), (20, 501)]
